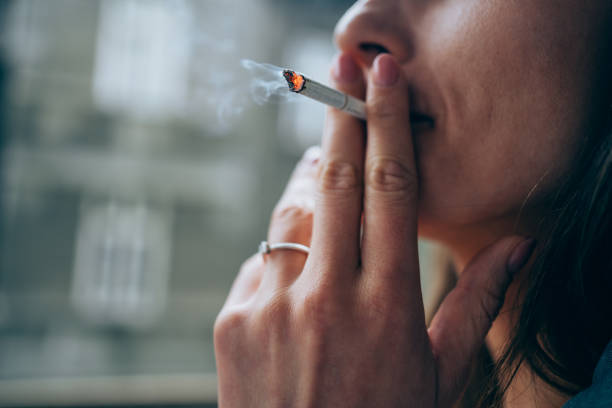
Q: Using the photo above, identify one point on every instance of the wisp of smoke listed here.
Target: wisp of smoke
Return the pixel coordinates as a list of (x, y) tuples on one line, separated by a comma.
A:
[(266, 83), (231, 93)]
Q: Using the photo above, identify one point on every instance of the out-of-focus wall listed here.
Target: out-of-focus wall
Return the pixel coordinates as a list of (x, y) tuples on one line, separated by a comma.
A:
[(136, 178)]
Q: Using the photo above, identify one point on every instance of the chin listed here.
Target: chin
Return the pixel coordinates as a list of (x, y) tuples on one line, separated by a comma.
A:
[(441, 221), (431, 226)]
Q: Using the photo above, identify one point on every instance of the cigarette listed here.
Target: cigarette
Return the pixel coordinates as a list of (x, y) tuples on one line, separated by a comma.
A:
[(303, 85)]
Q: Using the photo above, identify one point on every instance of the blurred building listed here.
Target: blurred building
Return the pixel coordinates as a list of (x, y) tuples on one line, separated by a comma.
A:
[(135, 180), (136, 175)]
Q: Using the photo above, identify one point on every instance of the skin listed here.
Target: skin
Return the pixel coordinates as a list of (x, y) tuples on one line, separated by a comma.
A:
[(509, 93), (510, 90)]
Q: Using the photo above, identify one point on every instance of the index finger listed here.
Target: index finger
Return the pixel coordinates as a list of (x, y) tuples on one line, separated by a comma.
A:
[(338, 205), (389, 248)]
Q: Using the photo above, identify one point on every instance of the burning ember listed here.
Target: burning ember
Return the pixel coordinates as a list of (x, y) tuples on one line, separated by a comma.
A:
[(294, 80), (322, 93), (303, 85)]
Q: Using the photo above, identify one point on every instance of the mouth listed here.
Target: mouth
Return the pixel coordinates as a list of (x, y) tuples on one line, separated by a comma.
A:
[(421, 122)]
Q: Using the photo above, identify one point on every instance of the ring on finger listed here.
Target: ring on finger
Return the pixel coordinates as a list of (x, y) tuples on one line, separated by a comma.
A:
[(265, 247)]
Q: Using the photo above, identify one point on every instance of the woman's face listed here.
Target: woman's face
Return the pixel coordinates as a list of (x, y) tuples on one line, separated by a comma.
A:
[(510, 87)]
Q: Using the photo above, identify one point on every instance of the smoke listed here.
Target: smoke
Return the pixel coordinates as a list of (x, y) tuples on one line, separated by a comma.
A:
[(231, 93), (223, 86), (267, 83), (182, 58), (160, 59)]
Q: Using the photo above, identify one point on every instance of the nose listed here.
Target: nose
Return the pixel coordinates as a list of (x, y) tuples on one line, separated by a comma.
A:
[(372, 27)]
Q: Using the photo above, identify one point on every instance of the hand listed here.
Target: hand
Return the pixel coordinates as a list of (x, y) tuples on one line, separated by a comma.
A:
[(344, 327)]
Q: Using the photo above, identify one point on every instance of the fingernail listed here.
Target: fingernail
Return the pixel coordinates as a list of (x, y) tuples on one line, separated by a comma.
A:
[(345, 70), (521, 255), (386, 71)]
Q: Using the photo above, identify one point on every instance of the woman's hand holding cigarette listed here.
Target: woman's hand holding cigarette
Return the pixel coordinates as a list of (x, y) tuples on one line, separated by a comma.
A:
[(345, 327)]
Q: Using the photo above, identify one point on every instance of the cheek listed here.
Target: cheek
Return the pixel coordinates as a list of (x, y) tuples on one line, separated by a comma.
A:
[(474, 179), (511, 117)]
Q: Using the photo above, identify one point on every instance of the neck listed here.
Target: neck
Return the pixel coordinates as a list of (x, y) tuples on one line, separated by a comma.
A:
[(526, 390)]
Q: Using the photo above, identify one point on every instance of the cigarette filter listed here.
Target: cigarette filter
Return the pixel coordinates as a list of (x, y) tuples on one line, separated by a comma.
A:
[(302, 85)]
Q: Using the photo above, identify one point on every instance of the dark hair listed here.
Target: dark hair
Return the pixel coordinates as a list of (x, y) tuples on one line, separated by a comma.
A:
[(566, 301)]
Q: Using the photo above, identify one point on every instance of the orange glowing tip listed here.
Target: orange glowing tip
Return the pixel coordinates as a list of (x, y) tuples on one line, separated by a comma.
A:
[(294, 80), (305, 86)]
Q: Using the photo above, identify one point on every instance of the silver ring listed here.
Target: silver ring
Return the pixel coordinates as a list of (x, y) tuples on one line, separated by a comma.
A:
[(266, 248)]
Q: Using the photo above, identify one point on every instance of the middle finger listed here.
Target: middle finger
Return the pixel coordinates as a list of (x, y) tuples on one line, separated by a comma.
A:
[(391, 188)]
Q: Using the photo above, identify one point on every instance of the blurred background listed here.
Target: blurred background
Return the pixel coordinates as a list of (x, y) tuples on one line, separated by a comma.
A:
[(136, 177)]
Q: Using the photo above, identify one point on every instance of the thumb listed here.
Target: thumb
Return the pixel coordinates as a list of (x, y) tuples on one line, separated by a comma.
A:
[(464, 318)]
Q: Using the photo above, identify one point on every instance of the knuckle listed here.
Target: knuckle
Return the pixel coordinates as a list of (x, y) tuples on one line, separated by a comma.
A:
[(229, 326), (486, 313), (490, 303), (381, 309), (337, 175), (488, 300), (390, 175), (274, 314), (316, 313), (292, 213)]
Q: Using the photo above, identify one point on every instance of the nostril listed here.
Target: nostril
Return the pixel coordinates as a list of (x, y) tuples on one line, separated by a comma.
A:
[(373, 48)]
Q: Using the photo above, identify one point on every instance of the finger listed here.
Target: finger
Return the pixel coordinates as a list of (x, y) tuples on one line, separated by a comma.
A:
[(338, 202), (459, 327), (292, 216), (292, 221), (389, 249), (247, 281)]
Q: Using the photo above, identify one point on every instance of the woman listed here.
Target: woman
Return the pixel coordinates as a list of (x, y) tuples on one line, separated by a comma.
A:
[(488, 122)]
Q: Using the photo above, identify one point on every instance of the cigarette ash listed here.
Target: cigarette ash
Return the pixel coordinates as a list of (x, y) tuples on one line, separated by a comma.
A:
[(295, 81)]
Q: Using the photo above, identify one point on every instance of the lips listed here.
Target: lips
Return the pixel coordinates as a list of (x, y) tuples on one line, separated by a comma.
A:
[(421, 121)]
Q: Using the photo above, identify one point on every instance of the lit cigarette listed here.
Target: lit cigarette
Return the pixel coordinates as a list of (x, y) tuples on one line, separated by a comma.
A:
[(305, 86)]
